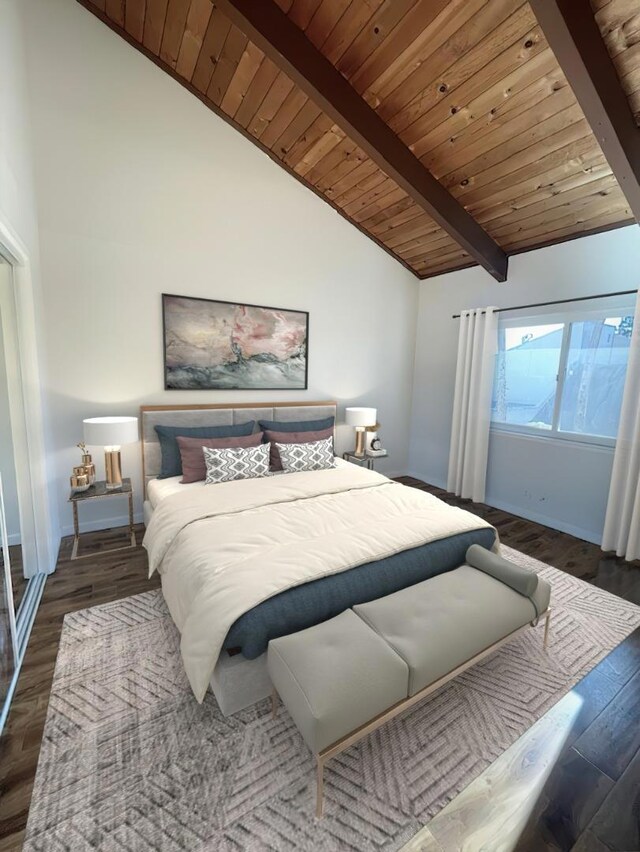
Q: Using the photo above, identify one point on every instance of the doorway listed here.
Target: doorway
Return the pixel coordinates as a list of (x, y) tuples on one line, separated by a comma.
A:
[(25, 540), (8, 477)]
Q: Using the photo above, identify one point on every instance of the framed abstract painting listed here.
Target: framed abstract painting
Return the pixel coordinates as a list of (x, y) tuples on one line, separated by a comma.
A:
[(214, 345)]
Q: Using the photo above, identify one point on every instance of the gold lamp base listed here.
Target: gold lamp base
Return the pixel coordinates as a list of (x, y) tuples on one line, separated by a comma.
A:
[(113, 468), (360, 442)]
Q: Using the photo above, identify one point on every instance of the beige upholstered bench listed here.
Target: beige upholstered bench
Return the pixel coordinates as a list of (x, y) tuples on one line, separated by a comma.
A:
[(342, 679)]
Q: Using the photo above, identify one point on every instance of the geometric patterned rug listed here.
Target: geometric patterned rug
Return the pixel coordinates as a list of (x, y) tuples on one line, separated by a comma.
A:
[(130, 761)]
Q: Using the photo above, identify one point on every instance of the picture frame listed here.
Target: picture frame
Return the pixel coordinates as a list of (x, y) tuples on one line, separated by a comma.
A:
[(211, 344)]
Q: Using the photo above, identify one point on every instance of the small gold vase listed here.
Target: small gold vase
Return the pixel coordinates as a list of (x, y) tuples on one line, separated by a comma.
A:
[(79, 480), (89, 467)]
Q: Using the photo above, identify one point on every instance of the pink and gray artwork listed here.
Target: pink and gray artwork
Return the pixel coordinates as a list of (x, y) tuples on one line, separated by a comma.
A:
[(211, 345)]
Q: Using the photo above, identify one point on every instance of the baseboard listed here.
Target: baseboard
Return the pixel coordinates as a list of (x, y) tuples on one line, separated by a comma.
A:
[(103, 524), (546, 521), (519, 511), (430, 480), (14, 539), (527, 514)]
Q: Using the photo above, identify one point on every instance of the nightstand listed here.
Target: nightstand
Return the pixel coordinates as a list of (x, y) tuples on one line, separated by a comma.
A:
[(99, 491), (366, 459)]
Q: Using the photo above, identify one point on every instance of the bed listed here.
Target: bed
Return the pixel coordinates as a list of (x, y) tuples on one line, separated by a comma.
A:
[(247, 561)]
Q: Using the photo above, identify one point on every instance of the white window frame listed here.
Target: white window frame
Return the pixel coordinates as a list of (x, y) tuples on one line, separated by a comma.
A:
[(566, 318)]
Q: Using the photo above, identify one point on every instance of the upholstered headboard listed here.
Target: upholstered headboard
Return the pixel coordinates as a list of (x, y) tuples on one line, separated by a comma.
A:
[(216, 415)]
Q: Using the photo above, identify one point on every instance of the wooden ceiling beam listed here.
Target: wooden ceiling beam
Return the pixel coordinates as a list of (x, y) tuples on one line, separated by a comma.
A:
[(574, 37), (287, 46)]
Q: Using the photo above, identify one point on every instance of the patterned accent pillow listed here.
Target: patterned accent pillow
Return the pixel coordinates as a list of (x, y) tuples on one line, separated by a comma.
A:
[(317, 455), (193, 467), (225, 465), (293, 438)]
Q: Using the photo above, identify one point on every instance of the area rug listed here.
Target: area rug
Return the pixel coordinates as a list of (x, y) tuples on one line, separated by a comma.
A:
[(130, 761)]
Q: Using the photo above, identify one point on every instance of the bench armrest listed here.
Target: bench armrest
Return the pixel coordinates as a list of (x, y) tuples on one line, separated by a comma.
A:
[(520, 579)]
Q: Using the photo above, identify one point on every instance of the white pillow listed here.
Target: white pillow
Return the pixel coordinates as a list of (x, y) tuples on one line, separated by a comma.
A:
[(316, 455), (225, 465)]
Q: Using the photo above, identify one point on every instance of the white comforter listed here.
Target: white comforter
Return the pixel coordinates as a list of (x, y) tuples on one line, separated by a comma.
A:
[(225, 548)]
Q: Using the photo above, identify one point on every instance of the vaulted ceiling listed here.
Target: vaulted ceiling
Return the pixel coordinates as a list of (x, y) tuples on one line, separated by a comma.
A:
[(452, 132)]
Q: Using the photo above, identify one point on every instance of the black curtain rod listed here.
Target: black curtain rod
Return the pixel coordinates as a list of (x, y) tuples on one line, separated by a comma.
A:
[(559, 302)]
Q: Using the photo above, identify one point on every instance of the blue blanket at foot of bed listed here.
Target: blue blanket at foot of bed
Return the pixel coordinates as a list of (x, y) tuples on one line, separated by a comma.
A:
[(309, 604)]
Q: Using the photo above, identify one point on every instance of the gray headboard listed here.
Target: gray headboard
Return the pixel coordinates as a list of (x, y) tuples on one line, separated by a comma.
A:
[(216, 415)]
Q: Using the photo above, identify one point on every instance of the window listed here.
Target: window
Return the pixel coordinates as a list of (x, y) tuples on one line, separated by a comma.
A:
[(562, 378)]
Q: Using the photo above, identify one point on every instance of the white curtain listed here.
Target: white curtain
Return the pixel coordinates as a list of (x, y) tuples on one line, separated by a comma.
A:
[(622, 522), (477, 348)]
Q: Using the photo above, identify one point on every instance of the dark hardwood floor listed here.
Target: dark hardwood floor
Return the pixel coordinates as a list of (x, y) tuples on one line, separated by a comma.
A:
[(591, 801), (573, 555), (100, 578)]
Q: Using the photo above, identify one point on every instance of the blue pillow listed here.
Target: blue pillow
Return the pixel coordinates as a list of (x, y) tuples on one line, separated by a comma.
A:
[(171, 464), (297, 425)]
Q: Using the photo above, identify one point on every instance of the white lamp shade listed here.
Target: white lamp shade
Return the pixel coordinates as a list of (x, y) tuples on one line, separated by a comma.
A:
[(361, 416), (110, 431)]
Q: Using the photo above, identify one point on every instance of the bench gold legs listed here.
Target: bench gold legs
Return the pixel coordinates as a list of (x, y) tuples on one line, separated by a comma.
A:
[(353, 737), (545, 642), (275, 700), (320, 787)]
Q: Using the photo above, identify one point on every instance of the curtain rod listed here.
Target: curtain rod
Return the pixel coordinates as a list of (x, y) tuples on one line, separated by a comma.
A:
[(559, 302)]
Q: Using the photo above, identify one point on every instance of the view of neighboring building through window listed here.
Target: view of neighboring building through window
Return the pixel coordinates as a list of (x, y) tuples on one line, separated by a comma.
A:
[(564, 378)]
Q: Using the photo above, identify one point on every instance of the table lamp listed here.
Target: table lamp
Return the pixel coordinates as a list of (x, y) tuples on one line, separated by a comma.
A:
[(111, 433), (364, 419)]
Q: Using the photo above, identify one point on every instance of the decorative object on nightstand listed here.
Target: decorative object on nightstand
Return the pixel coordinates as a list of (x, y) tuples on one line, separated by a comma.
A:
[(79, 480), (87, 463), (111, 433), (364, 420), (366, 460), (95, 492), (376, 449), (84, 475)]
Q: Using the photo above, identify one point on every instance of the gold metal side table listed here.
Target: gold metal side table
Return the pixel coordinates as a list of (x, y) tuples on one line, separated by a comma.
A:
[(99, 491), (363, 460)]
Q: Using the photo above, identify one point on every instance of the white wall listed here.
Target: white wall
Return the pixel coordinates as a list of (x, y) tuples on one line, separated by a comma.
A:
[(562, 485), (17, 199), (142, 190), (19, 229)]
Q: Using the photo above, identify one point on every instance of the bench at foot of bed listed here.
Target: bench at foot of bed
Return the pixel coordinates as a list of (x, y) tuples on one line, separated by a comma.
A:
[(344, 678)]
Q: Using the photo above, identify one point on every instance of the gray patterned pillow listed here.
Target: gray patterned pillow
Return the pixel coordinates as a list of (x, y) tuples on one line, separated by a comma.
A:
[(225, 465), (316, 455)]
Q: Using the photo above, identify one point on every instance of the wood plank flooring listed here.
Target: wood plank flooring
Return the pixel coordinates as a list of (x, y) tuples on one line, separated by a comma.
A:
[(609, 693), (75, 585), (544, 794), (578, 785), (573, 555)]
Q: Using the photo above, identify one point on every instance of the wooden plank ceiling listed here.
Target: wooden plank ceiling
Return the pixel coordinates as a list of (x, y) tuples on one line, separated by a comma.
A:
[(619, 22), (471, 87)]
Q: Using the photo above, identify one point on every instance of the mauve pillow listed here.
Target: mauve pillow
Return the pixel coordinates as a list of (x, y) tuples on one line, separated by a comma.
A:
[(292, 438), (191, 452), (170, 461)]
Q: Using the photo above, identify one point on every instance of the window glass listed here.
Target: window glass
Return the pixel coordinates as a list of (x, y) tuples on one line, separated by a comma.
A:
[(525, 382), (594, 377)]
